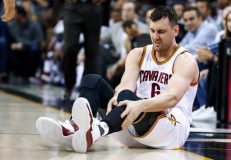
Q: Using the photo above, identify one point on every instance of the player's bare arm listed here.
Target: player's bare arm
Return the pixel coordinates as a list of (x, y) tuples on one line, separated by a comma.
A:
[(185, 73), (9, 10), (129, 77)]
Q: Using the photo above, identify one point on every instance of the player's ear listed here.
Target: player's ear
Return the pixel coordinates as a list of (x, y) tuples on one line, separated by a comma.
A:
[(176, 29)]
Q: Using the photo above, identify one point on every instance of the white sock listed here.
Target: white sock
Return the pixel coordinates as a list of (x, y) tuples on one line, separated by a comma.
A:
[(104, 129), (98, 130)]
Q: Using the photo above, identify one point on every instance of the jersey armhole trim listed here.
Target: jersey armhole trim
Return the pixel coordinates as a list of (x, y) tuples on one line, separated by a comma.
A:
[(192, 83), (142, 56)]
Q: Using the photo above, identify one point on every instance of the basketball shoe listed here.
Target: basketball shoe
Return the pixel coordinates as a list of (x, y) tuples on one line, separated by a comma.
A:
[(89, 130), (209, 114), (56, 132)]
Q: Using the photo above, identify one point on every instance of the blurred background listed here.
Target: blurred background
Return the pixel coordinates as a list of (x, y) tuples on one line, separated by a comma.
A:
[(50, 44)]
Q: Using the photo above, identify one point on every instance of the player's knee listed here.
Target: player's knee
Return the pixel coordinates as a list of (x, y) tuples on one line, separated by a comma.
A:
[(125, 95), (90, 81)]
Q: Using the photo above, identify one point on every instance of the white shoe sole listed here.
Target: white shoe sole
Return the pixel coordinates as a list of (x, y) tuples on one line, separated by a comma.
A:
[(82, 116), (51, 131)]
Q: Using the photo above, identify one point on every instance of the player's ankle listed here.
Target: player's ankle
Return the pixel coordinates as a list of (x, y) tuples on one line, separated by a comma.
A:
[(99, 129)]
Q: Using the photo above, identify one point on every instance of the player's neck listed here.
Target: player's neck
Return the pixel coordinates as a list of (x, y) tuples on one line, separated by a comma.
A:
[(166, 53)]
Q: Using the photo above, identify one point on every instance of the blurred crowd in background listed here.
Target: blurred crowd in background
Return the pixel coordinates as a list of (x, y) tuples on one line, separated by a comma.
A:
[(58, 41)]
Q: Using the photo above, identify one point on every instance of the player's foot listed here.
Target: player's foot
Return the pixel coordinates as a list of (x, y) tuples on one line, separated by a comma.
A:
[(82, 115), (56, 132)]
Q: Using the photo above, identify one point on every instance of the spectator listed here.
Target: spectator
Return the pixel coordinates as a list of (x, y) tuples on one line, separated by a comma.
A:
[(211, 59), (25, 44), (135, 38), (207, 12), (115, 37), (82, 17), (221, 5), (209, 56), (148, 15), (200, 33), (115, 15), (178, 6)]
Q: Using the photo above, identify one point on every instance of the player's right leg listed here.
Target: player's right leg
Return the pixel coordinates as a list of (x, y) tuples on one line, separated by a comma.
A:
[(94, 88), (89, 130), (82, 115), (56, 132)]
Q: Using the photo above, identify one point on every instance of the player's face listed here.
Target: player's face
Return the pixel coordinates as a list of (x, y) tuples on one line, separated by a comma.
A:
[(163, 34), (191, 20)]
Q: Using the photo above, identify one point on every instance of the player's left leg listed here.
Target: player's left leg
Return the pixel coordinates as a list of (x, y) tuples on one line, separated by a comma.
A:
[(170, 131)]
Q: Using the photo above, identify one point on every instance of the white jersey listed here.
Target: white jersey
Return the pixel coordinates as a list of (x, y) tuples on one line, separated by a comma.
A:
[(154, 76), (171, 129)]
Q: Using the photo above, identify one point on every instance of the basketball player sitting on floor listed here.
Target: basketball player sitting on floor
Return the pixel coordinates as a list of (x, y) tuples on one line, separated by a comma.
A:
[(150, 107)]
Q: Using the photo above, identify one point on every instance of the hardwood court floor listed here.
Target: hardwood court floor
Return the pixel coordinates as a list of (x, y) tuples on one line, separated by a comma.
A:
[(19, 139)]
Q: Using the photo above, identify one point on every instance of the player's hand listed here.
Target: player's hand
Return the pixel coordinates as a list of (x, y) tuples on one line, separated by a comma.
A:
[(132, 111), (113, 102), (9, 10)]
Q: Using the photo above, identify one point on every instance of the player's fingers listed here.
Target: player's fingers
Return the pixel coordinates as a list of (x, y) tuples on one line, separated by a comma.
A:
[(122, 103), (125, 112), (109, 107), (108, 110), (110, 104), (114, 102), (126, 123)]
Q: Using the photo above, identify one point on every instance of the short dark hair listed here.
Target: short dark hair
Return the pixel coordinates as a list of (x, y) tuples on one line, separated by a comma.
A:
[(128, 24), (164, 12), (191, 8)]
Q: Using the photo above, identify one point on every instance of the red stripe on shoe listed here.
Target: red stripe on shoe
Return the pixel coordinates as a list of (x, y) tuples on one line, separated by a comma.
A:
[(74, 125), (67, 132), (88, 134)]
